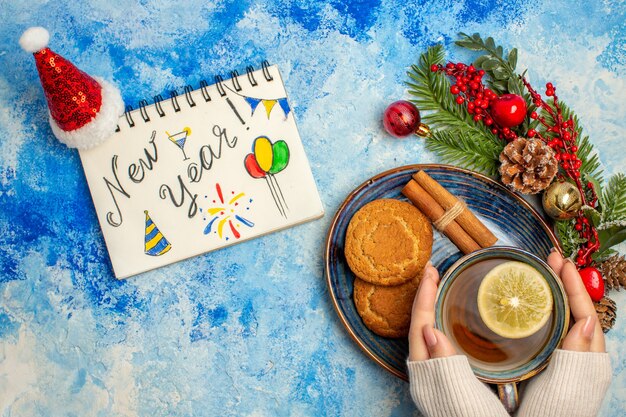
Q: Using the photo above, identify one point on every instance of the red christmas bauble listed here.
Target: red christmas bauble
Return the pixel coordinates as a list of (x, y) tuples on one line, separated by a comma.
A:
[(401, 118), (508, 110), (592, 278)]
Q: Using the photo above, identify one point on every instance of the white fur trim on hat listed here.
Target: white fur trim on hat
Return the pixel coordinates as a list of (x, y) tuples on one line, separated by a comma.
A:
[(34, 39), (101, 127)]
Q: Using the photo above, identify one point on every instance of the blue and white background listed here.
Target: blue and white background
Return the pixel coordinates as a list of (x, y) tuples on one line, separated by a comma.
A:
[(248, 330)]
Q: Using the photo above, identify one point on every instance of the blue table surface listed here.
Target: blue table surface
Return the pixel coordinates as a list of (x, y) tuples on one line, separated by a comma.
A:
[(248, 330)]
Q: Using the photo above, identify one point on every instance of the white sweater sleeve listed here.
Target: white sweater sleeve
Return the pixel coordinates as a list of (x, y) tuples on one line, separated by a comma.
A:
[(447, 387), (573, 385)]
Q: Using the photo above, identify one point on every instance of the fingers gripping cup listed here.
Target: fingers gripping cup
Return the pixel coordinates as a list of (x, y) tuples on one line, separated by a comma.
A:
[(507, 311)]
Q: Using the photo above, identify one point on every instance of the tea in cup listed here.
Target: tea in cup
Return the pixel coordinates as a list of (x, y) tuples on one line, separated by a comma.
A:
[(506, 310)]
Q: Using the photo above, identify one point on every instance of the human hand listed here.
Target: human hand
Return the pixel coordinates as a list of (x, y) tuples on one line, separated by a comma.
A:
[(586, 334), (426, 342)]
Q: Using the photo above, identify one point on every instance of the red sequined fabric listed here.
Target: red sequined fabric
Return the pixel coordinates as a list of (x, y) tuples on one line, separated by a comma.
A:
[(74, 98)]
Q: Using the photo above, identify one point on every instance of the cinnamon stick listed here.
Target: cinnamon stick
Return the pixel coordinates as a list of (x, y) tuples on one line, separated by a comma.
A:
[(466, 219), (427, 205)]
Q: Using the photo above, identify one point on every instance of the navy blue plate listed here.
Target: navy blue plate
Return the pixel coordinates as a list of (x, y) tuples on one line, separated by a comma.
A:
[(507, 215)]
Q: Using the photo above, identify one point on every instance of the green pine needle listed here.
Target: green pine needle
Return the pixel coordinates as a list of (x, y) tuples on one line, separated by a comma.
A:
[(614, 199), (459, 147), (568, 237)]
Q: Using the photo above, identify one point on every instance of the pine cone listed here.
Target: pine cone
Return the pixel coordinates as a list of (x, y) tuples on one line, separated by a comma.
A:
[(606, 310), (528, 165), (613, 271)]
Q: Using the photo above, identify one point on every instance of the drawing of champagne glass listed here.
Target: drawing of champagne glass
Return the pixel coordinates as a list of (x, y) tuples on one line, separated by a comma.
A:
[(179, 139)]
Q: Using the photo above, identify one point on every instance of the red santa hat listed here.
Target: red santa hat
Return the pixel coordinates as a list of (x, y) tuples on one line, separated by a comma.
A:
[(84, 110)]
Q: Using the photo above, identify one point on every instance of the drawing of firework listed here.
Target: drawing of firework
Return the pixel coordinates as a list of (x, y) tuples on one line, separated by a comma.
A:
[(226, 215)]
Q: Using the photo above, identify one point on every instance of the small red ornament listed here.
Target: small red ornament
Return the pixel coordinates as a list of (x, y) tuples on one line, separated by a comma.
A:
[(592, 278), (508, 110), (401, 118)]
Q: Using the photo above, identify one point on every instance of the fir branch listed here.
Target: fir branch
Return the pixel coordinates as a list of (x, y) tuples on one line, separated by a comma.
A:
[(614, 199), (431, 93), (458, 146), (501, 70), (568, 237)]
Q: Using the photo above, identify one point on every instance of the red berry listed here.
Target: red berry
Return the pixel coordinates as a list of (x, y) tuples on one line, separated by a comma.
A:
[(508, 110), (434, 68), (592, 278), (455, 89), (531, 133), (401, 118), (460, 100), (534, 115), (574, 148)]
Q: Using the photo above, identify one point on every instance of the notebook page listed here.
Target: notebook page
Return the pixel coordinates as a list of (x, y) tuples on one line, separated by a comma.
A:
[(206, 176)]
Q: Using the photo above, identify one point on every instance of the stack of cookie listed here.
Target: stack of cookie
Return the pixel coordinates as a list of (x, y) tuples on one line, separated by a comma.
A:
[(388, 243)]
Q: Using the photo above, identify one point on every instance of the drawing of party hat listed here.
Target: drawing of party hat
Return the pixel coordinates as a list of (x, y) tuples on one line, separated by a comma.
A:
[(156, 243)]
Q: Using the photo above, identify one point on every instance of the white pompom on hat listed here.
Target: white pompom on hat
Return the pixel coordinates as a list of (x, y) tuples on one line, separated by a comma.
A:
[(83, 110)]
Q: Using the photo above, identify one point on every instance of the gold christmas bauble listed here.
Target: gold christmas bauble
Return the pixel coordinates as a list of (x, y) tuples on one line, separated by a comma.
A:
[(561, 200)]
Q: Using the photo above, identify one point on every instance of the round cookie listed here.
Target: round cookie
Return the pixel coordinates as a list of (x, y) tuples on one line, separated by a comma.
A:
[(386, 310), (388, 242)]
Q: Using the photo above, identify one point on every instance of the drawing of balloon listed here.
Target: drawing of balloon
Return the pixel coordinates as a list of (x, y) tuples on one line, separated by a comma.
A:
[(252, 166), (266, 160), (280, 151)]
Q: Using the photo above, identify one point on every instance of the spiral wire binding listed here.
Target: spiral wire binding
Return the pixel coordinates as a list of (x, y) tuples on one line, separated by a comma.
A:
[(265, 66), (129, 117), (174, 100), (157, 105), (250, 71), (234, 76), (205, 92), (218, 83), (142, 110), (188, 90)]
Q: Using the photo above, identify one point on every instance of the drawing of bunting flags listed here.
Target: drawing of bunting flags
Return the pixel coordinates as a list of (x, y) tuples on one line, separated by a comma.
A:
[(268, 104), (156, 244)]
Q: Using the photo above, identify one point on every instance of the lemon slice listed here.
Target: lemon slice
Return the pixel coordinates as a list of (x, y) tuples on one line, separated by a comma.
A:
[(514, 300)]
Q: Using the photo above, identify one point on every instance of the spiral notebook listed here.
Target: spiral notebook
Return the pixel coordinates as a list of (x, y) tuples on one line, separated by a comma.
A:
[(201, 170)]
